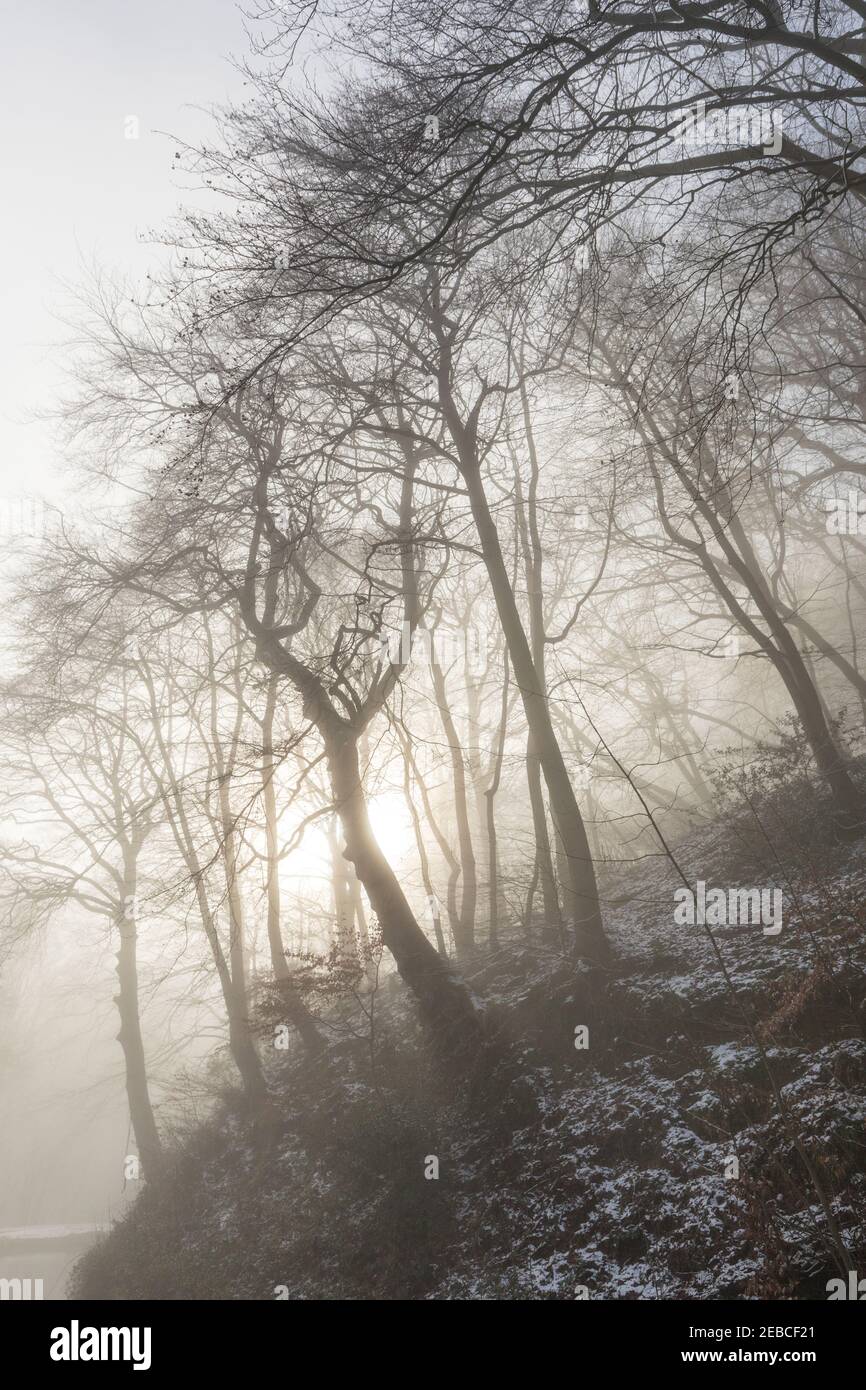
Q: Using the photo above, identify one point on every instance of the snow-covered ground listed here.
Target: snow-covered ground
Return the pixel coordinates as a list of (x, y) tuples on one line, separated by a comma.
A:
[(661, 1161)]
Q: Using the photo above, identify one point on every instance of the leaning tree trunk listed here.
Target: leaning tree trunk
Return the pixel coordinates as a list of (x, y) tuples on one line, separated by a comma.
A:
[(783, 652), (543, 857), (580, 890), (533, 555), (777, 644), (130, 1039), (445, 1001), (447, 1005)]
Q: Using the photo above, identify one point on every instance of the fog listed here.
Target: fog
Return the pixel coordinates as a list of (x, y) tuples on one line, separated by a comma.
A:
[(432, 762)]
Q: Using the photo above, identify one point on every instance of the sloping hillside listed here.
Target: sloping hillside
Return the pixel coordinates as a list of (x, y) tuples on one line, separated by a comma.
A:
[(607, 1171)]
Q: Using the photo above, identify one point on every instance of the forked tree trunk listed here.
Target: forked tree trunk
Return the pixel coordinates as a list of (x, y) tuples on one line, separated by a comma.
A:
[(448, 1006)]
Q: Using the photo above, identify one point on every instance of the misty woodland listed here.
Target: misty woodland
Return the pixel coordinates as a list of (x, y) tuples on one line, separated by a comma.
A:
[(434, 743)]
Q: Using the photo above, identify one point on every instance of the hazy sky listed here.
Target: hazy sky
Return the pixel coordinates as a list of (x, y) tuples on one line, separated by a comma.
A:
[(74, 188)]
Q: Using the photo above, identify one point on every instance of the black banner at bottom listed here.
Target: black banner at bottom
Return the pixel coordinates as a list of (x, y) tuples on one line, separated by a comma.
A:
[(63, 1339)]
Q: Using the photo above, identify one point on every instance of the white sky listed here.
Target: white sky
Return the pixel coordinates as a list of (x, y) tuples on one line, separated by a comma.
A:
[(75, 189)]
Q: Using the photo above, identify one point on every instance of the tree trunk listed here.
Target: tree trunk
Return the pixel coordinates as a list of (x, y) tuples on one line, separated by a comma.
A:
[(533, 558), (785, 655), (344, 909), (779, 646), (543, 857), (826, 648), (237, 933), (490, 796), (581, 892), (475, 770), (422, 851), (130, 1039), (441, 839), (241, 1044), (297, 1013), (445, 1001), (465, 938)]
